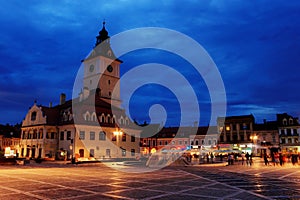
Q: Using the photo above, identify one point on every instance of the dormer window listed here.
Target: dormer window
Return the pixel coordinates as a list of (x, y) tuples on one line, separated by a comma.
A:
[(33, 116), (290, 121), (284, 121)]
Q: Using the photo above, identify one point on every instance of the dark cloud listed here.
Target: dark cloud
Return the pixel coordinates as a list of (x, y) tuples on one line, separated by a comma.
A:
[(254, 44)]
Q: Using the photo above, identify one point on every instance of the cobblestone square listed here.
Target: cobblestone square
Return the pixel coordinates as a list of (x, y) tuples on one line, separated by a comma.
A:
[(97, 181)]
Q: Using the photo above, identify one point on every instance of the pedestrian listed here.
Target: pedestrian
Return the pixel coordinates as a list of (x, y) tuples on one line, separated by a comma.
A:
[(266, 159), (250, 159), (243, 158), (280, 159), (273, 158), (207, 157), (231, 159), (276, 156), (247, 158), (221, 157)]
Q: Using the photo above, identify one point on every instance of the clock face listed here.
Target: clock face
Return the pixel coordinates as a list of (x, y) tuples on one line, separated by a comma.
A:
[(92, 68), (109, 68)]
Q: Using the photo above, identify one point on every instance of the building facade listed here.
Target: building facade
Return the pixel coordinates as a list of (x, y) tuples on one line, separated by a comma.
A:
[(90, 126), (289, 133), (236, 133)]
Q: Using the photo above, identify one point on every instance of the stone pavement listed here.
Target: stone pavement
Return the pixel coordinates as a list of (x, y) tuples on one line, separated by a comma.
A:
[(97, 181)]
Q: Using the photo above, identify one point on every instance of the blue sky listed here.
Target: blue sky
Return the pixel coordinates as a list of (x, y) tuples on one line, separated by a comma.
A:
[(254, 44)]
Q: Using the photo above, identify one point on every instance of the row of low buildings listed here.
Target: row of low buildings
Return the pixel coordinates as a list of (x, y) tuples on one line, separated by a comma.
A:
[(93, 125), (46, 134), (232, 134)]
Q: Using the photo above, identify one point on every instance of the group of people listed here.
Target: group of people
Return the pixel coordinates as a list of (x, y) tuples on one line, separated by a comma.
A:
[(281, 159), (246, 159)]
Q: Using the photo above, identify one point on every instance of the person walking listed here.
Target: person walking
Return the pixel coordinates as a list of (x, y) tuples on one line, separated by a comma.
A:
[(243, 158), (247, 158), (280, 159), (266, 159), (250, 159), (207, 157)]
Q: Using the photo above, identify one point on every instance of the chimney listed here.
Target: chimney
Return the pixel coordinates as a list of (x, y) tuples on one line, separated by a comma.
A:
[(62, 99), (50, 105)]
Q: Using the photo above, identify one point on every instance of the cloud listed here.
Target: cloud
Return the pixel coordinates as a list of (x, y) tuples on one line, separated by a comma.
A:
[(255, 46)]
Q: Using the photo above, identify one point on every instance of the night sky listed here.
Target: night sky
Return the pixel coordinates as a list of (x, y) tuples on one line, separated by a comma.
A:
[(254, 44)]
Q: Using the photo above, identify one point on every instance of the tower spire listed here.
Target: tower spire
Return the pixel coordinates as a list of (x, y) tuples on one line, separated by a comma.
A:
[(103, 34)]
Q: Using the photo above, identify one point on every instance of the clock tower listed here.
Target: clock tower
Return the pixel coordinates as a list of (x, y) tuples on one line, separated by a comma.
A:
[(102, 70)]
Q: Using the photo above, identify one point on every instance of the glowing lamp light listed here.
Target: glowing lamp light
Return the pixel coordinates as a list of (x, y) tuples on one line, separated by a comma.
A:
[(117, 133), (153, 150)]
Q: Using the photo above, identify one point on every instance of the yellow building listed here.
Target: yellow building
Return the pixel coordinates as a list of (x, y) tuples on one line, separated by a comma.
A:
[(90, 126)]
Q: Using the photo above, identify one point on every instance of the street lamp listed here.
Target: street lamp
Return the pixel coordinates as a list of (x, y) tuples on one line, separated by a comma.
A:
[(117, 133)]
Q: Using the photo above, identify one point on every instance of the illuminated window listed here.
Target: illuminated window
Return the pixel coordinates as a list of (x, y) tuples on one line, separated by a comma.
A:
[(227, 128)]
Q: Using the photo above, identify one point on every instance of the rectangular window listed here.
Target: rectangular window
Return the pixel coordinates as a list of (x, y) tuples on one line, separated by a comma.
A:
[(62, 135), (132, 152), (295, 132), (92, 152), (82, 135), (102, 135), (92, 135), (69, 135), (124, 137), (132, 138), (53, 135), (107, 153), (123, 152), (160, 142), (242, 137), (180, 142), (153, 143)]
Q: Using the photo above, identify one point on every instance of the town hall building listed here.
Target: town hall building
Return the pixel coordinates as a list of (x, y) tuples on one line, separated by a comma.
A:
[(93, 125)]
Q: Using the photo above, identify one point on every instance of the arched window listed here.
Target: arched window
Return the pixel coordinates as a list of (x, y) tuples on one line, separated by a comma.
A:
[(108, 118), (113, 119), (102, 118), (126, 121), (121, 120), (94, 117), (284, 121), (87, 116), (290, 121)]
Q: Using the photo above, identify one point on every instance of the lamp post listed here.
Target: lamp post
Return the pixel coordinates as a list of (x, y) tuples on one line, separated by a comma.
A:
[(117, 133), (253, 139)]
